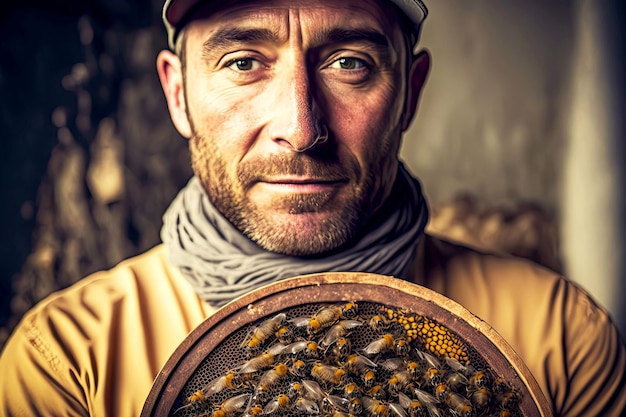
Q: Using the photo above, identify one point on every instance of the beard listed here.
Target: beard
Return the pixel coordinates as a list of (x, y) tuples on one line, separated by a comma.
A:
[(298, 224)]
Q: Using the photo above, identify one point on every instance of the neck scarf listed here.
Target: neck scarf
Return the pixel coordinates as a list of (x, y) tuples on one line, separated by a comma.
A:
[(222, 264)]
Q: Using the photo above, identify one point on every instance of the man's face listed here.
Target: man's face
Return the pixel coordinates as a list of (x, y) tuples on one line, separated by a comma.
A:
[(263, 81)]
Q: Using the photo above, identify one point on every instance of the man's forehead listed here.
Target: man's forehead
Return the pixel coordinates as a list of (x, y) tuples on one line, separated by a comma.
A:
[(382, 13), (280, 14), (313, 23)]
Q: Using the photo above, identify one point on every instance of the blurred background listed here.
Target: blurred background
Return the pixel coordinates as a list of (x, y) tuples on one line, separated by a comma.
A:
[(519, 140)]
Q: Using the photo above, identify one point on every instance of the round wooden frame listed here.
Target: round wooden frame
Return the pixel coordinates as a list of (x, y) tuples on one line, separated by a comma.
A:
[(336, 287)]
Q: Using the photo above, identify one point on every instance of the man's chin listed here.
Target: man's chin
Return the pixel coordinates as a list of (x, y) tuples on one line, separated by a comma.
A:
[(271, 203), (302, 233)]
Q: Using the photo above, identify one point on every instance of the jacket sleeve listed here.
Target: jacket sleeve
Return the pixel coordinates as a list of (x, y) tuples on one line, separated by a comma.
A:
[(35, 377), (596, 360), (94, 348)]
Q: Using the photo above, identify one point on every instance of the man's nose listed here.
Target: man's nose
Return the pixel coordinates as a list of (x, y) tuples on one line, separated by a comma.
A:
[(296, 116)]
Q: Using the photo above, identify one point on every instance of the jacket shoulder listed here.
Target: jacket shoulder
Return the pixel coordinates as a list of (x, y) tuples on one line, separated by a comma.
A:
[(469, 265), (117, 325), (567, 340)]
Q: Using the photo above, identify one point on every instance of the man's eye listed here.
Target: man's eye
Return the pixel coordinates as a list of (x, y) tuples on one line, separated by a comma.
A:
[(243, 64), (348, 64)]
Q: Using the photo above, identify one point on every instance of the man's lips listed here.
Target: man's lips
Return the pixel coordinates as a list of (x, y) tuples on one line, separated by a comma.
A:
[(301, 185)]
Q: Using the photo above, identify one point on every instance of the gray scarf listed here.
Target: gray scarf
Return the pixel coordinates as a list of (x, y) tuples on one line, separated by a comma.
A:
[(221, 263)]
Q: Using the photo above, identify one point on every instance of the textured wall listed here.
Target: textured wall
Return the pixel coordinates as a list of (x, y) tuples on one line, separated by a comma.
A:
[(491, 118), (524, 104)]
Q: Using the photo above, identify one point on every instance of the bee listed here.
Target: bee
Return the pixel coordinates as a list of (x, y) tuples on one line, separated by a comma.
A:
[(231, 380), (476, 378), (460, 405), (272, 377), (299, 368), (338, 330), (341, 347), (350, 310), (265, 360), (397, 410), (368, 377), (328, 373), (384, 344), (375, 408), (503, 412), (430, 360), (387, 343), (398, 381), (442, 391), (284, 334), (307, 406), (325, 317), (305, 348), (281, 402), (508, 399), (195, 400), (351, 390), (253, 410), (481, 397), (355, 406), (296, 389), (392, 364), (313, 390), (357, 364), (456, 380), (416, 408), (332, 403), (428, 401), (229, 407), (257, 336), (434, 370), (458, 366), (379, 323), (377, 392), (413, 368), (479, 379), (500, 386), (433, 376), (402, 347), (352, 406)]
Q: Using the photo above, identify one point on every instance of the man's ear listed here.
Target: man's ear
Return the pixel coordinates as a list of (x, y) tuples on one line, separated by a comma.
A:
[(418, 72), (170, 73)]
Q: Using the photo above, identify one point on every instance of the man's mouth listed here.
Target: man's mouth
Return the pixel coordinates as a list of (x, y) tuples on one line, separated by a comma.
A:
[(301, 185), (296, 174)]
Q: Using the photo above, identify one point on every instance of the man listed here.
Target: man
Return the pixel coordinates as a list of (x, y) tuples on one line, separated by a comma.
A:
[(294, 112)]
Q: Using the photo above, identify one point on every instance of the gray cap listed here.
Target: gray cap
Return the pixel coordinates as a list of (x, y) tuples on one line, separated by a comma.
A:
[(175, 13)]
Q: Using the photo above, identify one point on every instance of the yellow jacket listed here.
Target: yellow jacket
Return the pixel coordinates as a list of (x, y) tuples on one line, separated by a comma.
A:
[(96, 347)]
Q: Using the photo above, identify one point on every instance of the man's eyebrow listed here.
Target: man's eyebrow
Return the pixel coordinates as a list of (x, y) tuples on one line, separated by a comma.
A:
[(343, 35), (226, 37)]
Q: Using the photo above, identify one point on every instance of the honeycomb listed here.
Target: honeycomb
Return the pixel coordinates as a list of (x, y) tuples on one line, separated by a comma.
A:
[(345, 359)]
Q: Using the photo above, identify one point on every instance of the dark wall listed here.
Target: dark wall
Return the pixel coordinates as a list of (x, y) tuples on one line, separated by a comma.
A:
[(78, 93)]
